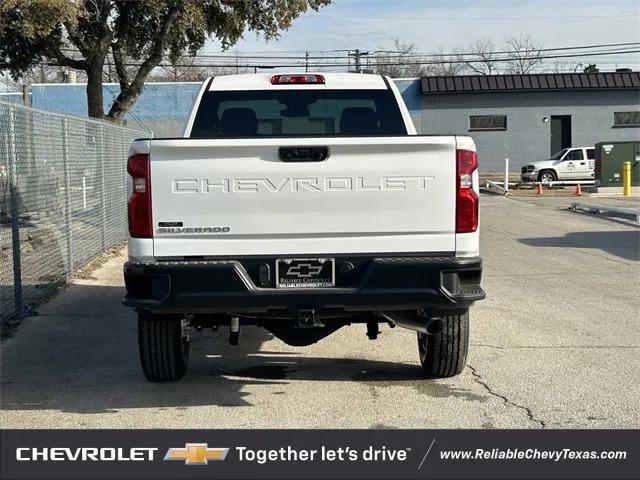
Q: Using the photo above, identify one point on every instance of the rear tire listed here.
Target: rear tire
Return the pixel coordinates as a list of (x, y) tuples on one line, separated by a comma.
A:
[(164, 346), (445, 354)]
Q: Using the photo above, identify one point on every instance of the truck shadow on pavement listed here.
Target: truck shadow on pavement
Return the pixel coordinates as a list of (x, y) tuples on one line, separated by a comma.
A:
[(623, 244), (80, 355)]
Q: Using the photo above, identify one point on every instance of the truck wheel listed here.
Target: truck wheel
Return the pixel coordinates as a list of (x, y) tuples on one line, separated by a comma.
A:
[(547, 176), (444, 355), (164, 346)]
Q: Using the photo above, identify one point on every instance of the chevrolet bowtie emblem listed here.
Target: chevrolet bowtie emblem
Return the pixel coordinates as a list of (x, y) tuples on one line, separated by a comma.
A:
[(196, 454)]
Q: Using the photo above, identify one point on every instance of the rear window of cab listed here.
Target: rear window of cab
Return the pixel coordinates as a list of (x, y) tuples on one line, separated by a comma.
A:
[(290, 113)]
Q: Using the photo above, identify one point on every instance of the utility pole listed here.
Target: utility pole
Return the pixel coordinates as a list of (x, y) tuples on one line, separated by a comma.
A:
[(356, 56)]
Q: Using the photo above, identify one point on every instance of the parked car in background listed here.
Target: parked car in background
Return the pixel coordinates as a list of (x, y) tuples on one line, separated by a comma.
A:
[(576, 163)]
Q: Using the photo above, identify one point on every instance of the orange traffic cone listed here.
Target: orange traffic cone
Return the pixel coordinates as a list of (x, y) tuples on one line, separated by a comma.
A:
[(578, 191), (539, 190)]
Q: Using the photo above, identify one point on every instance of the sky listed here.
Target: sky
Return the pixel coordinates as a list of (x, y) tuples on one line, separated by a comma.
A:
[(446, 25), (434, 25)]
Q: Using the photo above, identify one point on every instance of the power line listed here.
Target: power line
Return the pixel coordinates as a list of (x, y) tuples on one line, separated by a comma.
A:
[(233, 56), (554, 49), (527, 57), (335, 62), (458, 18)]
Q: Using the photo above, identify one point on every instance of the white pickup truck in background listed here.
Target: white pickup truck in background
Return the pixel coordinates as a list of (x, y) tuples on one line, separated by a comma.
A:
[(576, 163), (302, 203)]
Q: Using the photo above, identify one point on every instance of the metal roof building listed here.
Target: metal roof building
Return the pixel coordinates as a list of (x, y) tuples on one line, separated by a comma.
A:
[(531, 83), (527, 117)]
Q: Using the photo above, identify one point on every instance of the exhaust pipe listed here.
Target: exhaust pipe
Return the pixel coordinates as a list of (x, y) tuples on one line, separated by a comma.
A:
[(428, 325)]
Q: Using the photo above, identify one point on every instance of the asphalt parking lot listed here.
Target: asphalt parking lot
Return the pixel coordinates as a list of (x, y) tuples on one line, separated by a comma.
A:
[(556, 344)]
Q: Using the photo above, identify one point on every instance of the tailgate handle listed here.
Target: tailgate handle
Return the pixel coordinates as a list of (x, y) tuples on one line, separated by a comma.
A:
[(303, 154)]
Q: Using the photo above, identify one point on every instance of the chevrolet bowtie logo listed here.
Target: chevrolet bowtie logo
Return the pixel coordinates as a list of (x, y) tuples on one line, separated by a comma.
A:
[(196, 454), (304, 270)]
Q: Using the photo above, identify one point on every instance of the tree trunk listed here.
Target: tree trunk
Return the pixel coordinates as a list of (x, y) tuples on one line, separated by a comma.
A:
[(121, 105), (94, 90), (130, 93)]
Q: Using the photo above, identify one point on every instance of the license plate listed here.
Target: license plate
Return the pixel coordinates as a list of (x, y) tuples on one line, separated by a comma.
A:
[(305, 273)]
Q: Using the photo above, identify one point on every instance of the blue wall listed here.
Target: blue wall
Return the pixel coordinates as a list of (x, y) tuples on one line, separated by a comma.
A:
[(163, 107), (411, 93)]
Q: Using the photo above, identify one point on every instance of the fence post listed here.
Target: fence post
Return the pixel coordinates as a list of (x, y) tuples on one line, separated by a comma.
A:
[(103, 190), (84, 193), (125, 177), (15, 214), (506, 176), (67, 194)]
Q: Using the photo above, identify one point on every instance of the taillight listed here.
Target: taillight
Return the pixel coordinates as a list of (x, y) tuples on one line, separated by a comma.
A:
[(466, 197), (139, 206), (300, 78)]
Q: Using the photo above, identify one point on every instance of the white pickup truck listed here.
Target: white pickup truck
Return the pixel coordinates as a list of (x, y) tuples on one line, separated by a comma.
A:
[(302, 203), (576, 163)]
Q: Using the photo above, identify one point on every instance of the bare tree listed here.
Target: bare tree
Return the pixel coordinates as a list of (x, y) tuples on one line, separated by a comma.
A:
[(187, 69), (446, 65), (484, 59), (557, 66), (525, 54), (183, 69), (399, 62), (7, 84), (404, 61), (41, 74)]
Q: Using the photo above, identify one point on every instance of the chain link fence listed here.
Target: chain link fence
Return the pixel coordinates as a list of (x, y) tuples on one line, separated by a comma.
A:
[(62, 199)]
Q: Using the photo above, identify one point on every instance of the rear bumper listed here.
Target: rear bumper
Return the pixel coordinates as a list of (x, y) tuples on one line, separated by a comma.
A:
[(375, 283)]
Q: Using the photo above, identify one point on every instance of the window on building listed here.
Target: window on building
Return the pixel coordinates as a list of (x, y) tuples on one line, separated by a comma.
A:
[(575, 155), (626, 119), (488, 122)]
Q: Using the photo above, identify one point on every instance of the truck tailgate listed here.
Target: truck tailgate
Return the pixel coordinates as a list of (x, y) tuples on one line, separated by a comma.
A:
[(237, 197)]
